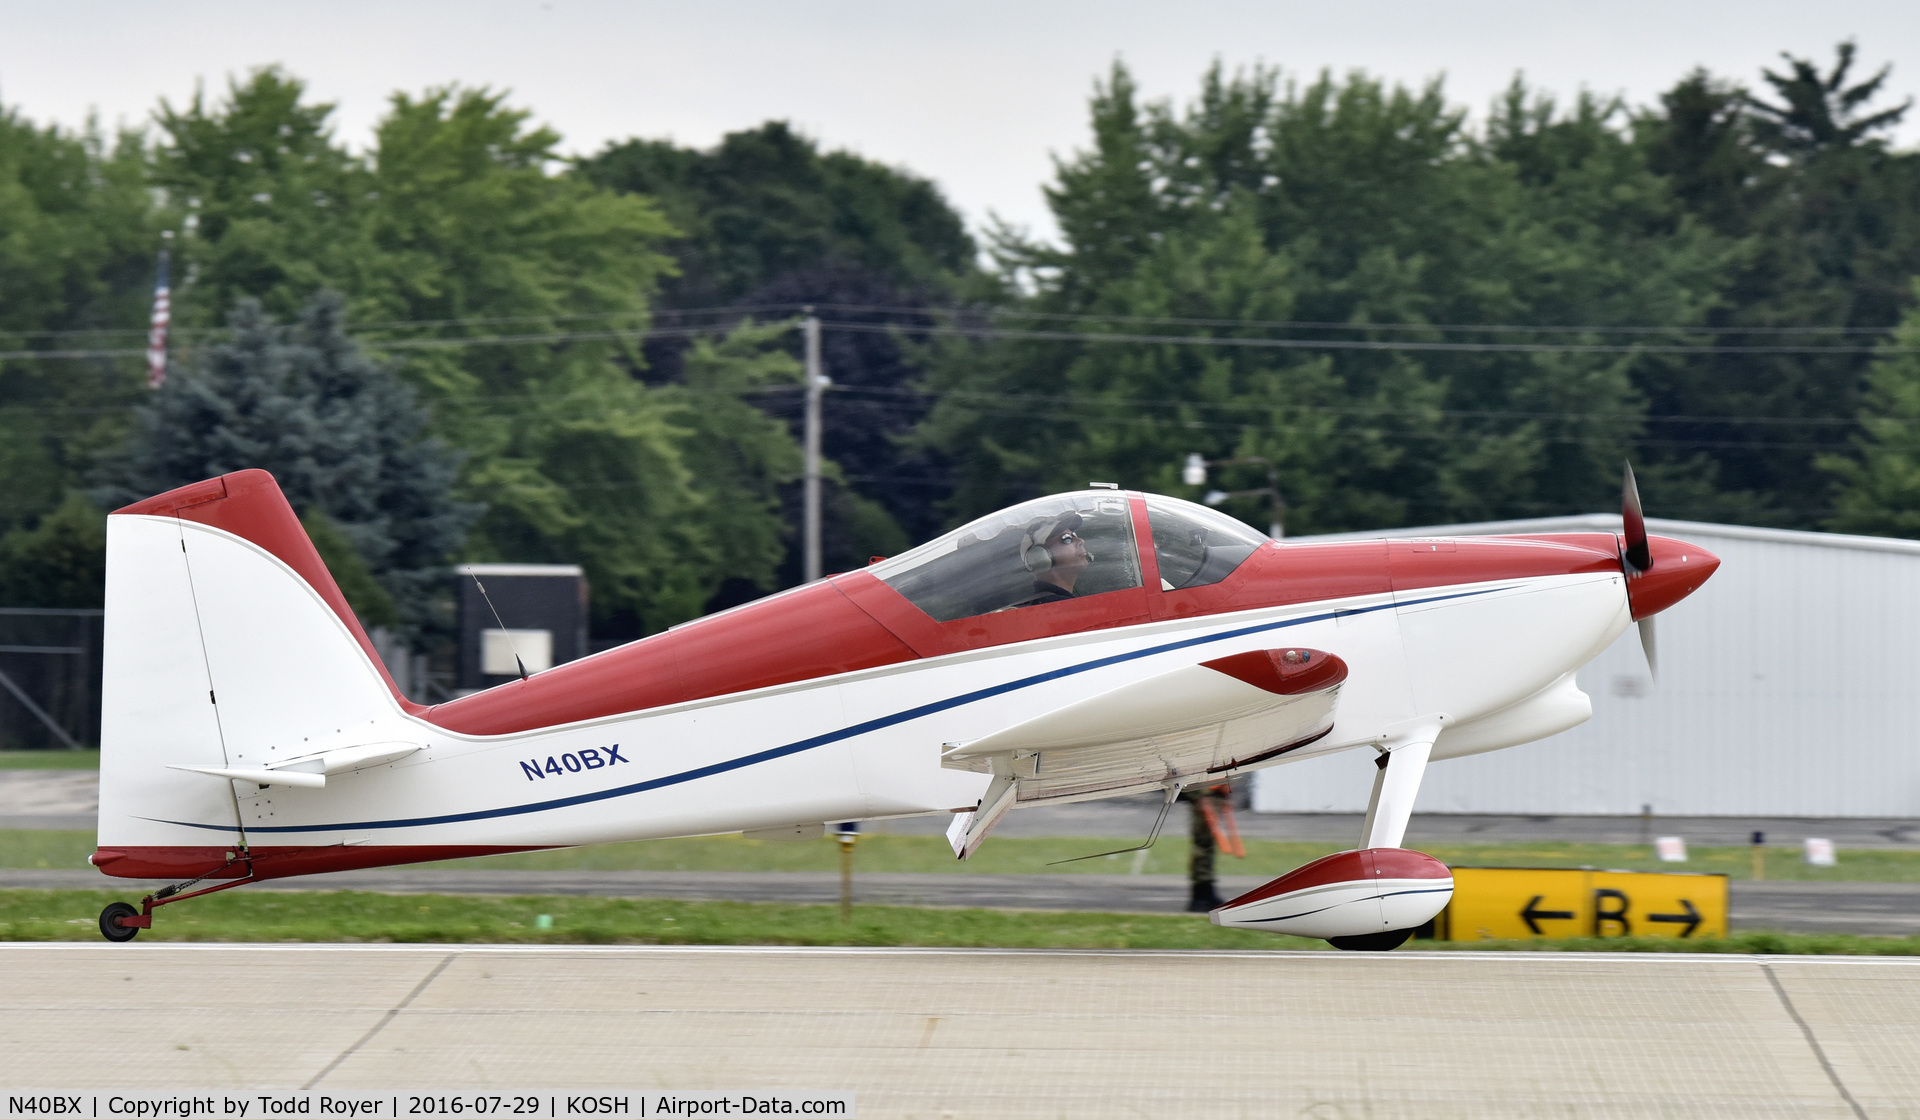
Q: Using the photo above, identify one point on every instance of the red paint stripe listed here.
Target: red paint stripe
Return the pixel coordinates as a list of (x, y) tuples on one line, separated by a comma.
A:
[(810, 632), (249, 505), (1363, 866), (278, 863)]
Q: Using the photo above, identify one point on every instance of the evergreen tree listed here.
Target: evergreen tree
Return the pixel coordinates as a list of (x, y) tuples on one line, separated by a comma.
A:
[(1701, 140), (1877, 490), (1829, 221), (340, 432), (1821, 113), (60, 561)]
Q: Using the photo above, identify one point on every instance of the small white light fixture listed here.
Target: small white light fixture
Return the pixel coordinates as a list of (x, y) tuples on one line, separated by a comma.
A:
[(1195, 471), (1215, 497)]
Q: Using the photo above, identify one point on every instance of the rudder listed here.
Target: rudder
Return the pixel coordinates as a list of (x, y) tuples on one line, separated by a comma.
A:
[(227, 646)]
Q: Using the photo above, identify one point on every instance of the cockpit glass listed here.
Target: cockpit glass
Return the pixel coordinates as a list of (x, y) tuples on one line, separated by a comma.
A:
[(1196, 546), (1068, 546)]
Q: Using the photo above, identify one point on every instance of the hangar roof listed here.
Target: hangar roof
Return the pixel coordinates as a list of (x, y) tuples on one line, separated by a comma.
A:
[(1610, 523)]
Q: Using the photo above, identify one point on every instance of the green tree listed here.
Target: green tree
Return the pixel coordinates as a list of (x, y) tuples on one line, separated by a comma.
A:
[(766, 203), (510, 296), (1701, 140), (341, 433), (768, 220), (60, 561), (1318, 231), (272, 203), (1877, 489), (1821, 113), (1829, 220), (78, 233)]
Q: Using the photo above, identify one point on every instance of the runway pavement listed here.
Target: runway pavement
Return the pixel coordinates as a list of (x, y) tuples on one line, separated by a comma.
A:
[(984, 1033), (1887, 909)]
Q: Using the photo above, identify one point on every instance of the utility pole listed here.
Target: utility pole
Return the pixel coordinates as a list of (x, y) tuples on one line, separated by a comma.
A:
[(816, 385)]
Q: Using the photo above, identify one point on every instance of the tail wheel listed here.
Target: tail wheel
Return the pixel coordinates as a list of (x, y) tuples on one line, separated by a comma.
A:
[(110, 927), (1372, 942)]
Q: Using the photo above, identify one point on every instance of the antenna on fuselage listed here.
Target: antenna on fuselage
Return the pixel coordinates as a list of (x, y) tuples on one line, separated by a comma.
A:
[(521, 665)]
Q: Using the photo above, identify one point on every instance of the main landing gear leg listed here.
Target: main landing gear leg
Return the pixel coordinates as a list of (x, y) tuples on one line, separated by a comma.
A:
[(1395, 785), (121, 922), (1396, 782)]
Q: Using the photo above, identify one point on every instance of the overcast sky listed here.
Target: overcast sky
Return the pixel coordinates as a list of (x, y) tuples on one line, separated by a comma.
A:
[(975, 95)]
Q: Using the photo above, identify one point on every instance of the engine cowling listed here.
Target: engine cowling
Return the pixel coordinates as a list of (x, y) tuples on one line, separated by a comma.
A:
[(1347, 894)]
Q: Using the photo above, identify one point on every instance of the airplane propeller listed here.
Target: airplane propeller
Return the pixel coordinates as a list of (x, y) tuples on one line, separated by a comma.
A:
[(1636, 557)]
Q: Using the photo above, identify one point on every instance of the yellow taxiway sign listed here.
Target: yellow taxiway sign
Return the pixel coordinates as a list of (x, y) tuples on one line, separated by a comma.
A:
[(1518, 903)]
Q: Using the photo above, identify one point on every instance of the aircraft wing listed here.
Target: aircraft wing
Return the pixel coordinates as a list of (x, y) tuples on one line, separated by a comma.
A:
[(1189, 725)]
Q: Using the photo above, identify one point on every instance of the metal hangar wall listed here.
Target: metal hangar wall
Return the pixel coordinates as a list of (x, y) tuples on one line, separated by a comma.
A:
[(1789, 686)]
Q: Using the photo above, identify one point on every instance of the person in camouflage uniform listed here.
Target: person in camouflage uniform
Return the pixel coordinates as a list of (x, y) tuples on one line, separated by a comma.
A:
[(1204, 847)]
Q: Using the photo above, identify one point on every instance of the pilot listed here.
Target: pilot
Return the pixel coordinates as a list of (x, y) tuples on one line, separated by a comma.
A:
[(1052, 550)]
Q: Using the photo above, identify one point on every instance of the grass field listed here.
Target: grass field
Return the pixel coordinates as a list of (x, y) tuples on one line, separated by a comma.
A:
[(49, 760), (355, 916), (1024, 855)]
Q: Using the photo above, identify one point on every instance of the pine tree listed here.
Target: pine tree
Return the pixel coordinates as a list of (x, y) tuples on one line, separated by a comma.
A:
[(339, 431), (1878, 492)]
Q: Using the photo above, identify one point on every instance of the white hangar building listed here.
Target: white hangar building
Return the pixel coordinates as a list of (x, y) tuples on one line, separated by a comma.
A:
[(1789, 686)]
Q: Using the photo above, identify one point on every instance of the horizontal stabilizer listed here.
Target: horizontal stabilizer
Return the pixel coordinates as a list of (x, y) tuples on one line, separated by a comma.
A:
[(310, 771), (1205, 720), (262, 776), (342, 759)]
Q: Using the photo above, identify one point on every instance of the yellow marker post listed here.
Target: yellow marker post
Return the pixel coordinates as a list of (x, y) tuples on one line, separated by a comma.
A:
[(846, 835), (1515, 903)]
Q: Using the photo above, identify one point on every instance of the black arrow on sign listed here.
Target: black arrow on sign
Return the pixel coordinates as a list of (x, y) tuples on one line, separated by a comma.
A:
[(1533, 917), (1690, 919)]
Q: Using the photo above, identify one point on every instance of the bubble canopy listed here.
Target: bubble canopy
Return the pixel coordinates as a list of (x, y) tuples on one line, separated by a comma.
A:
[(1196, 546), (1067, 546), (1049, 549)]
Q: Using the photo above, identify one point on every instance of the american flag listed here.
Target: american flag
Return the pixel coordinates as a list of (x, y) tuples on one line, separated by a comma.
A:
[(157, 329)]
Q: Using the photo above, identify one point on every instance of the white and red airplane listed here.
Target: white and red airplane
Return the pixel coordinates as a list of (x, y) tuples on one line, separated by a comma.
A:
[(1079, 646)]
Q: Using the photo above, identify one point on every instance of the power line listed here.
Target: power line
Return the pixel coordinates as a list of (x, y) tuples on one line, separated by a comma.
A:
[(1004, 312), (1091, 337), (1386, 433), (1021, 404), (480, 320), (963, 395), (1109, 337), (1326, 325)]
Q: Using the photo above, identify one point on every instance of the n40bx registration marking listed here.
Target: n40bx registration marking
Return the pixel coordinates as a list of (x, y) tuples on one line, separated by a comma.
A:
[(573, 762)]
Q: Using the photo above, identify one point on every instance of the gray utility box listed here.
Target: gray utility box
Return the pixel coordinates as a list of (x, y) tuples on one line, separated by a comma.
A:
[(542, 618)]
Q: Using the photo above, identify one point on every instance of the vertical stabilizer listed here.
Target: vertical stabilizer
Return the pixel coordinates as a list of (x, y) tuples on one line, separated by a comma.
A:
[(227, 646), (156, 697)]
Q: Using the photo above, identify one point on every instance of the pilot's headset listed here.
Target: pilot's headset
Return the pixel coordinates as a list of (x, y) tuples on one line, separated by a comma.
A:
[(1033, 543)]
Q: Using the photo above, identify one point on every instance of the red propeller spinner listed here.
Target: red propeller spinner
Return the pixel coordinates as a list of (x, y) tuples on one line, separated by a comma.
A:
[(1660, 571)]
